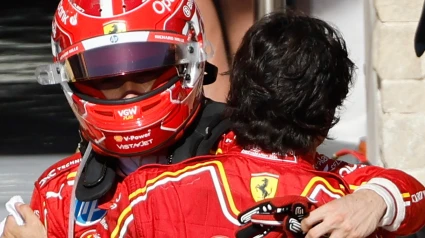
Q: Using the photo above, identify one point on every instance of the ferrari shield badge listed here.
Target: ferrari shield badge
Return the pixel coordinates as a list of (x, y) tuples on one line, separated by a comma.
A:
[(114, 27), (263, 185)]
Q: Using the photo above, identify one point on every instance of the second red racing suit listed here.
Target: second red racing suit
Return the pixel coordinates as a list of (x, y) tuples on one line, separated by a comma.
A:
[(203, 196), (51, 201)]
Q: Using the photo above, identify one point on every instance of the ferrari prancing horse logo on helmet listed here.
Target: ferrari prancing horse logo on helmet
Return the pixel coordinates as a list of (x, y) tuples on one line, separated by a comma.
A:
[(114, 27), (263, 185)]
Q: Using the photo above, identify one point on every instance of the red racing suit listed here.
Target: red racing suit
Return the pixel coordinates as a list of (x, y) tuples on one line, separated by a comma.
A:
[(202, 196), (51, 201)]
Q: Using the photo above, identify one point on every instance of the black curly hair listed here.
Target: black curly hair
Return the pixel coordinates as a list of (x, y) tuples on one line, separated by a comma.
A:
[(289, 75)]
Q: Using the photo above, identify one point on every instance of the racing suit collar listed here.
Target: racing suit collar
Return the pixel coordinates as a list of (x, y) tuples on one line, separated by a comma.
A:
[(228, 144)]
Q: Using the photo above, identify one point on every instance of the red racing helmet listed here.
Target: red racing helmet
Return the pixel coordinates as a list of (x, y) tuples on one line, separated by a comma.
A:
[(94, 40)]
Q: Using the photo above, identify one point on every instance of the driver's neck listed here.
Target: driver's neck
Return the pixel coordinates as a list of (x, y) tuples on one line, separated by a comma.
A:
[(129, 165)]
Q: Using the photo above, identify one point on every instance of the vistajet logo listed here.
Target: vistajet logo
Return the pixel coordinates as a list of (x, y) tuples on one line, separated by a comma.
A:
[(140, 144)]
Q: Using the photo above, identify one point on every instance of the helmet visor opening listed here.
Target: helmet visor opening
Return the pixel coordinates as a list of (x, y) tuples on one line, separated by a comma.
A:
[(121, 59), (128, 85)]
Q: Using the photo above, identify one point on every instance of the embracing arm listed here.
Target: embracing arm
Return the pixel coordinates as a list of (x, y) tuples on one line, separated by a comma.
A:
[(403, 195)]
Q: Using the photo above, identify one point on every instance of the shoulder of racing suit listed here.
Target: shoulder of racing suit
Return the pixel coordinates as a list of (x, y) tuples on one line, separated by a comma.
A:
[(337, 166), (200, 138), (62, 169)]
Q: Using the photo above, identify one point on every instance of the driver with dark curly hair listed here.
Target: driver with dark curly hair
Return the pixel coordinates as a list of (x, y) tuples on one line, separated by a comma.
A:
[(288, 78)]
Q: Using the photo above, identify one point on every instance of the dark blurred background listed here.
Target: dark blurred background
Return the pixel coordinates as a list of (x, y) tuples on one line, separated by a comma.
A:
[(34, 119)]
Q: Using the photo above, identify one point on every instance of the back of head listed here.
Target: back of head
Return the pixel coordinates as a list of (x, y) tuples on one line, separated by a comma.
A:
[(289, 75)]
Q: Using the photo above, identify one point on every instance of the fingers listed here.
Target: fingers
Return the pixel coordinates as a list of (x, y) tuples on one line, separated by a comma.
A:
[(320, 230), (32, 227), (10, 221), (26, 213), (9, 227), (337, 234), (314, 218)]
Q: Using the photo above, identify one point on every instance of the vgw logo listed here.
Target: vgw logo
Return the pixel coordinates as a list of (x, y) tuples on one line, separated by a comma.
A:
[(128, 114), (87, 213)]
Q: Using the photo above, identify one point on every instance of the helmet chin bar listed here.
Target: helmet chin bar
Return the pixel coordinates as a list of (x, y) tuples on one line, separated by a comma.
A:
[(106, 152), (103, 151)]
